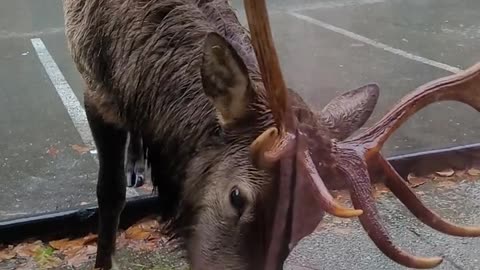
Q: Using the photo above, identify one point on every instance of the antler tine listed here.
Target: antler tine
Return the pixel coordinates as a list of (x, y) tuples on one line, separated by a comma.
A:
[(404, 193), (262, 40), (463, 87), (354, 168), (307, 169)]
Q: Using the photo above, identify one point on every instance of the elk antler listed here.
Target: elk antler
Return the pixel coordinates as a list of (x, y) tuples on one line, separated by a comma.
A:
[(305, 153), (361, 153), (269, 64), (274, 143)]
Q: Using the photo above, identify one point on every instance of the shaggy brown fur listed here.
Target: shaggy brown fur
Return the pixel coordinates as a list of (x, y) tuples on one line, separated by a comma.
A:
[(142, 61)]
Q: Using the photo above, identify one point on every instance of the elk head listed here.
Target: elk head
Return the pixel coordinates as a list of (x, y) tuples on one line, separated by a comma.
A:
[(301, 154)]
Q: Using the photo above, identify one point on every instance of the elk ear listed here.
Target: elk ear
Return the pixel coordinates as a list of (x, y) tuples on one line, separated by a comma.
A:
[(346, 113), (225, 79)]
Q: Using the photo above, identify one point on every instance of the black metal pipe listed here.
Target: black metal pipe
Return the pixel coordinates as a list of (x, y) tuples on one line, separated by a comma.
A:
[(70, 223)]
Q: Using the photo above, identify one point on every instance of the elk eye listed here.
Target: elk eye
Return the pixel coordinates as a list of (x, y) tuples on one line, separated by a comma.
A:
[(237, 200)]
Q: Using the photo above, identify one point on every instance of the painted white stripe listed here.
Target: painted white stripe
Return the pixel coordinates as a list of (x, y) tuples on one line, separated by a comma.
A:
[(336, 4), (69, 100), (49, 31), (375, 44), (65, 92)]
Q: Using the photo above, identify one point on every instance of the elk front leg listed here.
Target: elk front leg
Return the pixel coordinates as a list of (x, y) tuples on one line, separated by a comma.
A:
[(110, 141), (135, 161)]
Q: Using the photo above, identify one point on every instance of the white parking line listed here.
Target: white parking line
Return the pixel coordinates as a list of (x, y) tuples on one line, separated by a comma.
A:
[(374, 43), (65, 92), (336, 4), (49, 31), (70, 101)]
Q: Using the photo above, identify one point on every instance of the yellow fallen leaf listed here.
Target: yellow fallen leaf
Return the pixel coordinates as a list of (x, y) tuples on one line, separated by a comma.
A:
[(45, 258)]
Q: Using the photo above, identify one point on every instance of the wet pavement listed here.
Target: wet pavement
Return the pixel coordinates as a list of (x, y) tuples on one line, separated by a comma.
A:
[(343, 244), (326, 48)]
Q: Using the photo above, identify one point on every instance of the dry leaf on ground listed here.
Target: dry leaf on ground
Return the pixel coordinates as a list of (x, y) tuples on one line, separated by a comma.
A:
[(446, 173), (145, 229), (473, 172), (415, 182), (66, 243), (90, 239), (27, 249), (76, 251), (59, 244), (7, 254), (28, 265), (81, 149), (143, 236), (45, 259), (137, 233), (380, 190), (81, 256)]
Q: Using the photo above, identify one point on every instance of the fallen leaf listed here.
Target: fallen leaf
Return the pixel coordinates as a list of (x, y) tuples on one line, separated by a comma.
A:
[(81, 149), (137, 233), (45, 259), (76, 251), (122, 241), (473, 172), (65, 244), (446, 172), (79, 258), (91, 250), (28, 265), (149, 246), (72, 251), (379, 190), (415, 182), (59, 244), (7, 254), (90, 239), (27, 249), (52, 151)]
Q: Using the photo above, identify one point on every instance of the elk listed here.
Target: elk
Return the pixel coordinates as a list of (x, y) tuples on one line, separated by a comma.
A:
[(238, 159)]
